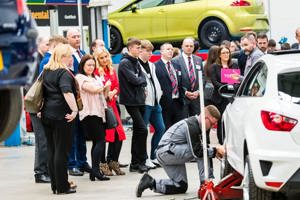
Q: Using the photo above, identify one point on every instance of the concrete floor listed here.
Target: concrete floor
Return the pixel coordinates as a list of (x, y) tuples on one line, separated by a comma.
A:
[(17, 180)]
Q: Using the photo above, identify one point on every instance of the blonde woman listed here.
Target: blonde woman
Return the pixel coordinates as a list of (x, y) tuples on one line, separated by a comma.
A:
[(58, 112), (117, 135)]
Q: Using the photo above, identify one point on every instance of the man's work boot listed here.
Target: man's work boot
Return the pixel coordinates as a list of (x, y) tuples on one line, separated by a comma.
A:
[(146, 182)]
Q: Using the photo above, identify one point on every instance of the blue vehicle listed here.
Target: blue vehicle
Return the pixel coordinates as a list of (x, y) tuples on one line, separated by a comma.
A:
[(17, 61)]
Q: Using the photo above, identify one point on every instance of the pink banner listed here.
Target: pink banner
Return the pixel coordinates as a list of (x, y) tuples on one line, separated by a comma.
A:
[(226, 75)]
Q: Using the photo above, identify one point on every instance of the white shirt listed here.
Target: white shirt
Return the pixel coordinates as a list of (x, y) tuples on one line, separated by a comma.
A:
[(185, 57), (174, 72)]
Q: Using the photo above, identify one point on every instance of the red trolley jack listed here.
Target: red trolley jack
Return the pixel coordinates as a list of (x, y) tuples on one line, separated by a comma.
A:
[(224, 190)]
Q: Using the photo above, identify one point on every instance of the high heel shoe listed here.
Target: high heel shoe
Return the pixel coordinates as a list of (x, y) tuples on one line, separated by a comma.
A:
[(101, 177), (92, 177), (69, 191)]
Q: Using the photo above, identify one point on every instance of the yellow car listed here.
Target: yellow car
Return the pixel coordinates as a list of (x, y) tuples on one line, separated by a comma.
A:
[(211, 21)]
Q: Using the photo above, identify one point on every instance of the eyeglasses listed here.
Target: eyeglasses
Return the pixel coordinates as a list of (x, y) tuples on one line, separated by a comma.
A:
[(212, 123)]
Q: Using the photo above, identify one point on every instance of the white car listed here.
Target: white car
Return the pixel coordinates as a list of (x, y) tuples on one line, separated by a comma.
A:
[(262, 129)]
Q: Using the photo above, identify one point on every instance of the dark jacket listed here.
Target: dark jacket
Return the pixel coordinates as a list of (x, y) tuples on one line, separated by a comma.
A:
[(216, 81), (195, 135), (166, 84), (132, 82)]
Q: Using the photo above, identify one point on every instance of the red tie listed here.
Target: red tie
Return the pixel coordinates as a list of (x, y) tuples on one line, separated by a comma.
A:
[(173, 79), (191, 73), (79, 53)]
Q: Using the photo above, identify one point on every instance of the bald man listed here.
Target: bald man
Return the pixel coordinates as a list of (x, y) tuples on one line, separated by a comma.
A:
[(188, 66)]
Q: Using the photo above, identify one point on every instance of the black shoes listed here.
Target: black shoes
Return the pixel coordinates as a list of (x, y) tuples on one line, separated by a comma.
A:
[(86, 168), (138, 168), (100, 176), (75, 172), (42, 178), (69, 191), (146, 182)]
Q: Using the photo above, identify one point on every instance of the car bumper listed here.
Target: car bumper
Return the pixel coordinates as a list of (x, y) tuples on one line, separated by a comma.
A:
[(276, 170), (257, 23)]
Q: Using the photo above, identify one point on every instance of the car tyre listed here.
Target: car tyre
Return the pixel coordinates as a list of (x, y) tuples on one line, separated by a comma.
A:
[(11, 109), (116, 42), (213, 32), (250, 190)]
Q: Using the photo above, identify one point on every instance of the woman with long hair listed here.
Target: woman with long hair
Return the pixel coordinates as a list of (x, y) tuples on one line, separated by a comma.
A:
[(58, 112), (116, 135), (223, 62), (92, 116)]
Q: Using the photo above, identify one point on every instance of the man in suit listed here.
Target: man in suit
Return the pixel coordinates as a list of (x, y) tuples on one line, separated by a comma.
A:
[(189, 65), (171, 100), (296, 45), (77, 158)]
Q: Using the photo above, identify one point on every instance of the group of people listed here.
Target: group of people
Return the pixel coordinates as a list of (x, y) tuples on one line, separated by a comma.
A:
[(164, 94), (71, 78)]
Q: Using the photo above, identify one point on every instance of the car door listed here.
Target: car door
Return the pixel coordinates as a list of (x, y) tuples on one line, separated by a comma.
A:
[(148, 21), (183, 18), (237, 113)]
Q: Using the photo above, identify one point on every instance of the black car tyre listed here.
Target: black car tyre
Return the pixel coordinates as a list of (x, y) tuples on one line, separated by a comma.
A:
[(116, 42), (213, 32), (250, 190), (11, 109)]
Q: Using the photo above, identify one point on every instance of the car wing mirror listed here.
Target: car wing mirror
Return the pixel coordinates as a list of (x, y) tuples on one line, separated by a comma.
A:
[(133, 8), (227, 91)]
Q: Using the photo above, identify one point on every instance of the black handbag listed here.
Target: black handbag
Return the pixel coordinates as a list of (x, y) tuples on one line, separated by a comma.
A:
[(110, 118)]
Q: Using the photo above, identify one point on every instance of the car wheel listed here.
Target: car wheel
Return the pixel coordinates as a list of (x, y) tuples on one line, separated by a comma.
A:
[(116, 42), (250, 190), (10, 111), (213, 32)]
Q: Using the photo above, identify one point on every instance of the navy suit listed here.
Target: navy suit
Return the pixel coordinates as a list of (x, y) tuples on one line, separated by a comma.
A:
[(171, 108), (192, 107), (77, 156)]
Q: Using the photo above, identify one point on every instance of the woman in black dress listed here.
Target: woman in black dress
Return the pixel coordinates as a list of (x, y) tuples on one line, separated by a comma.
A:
[(58, 112)]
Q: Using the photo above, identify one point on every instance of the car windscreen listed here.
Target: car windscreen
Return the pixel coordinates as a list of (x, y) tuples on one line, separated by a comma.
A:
[(9, 15), (289, 86)]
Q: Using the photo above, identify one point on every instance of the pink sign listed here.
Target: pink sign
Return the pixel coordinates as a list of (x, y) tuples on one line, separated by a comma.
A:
[(226, 75)]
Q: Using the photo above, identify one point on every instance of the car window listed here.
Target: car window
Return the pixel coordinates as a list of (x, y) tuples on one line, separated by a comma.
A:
[(256, 85), (149, 4), (181, 1), (289, 86)]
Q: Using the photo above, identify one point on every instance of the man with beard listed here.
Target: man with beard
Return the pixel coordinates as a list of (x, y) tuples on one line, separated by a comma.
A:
[(248, 43), (262, 42)]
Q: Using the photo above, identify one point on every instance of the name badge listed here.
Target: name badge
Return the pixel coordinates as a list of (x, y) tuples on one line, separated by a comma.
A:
[(137, 75), (179, 73), (198, 67), (149, 75)]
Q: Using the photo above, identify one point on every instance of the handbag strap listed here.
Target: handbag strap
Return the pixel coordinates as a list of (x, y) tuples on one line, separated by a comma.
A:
[(76, 84)]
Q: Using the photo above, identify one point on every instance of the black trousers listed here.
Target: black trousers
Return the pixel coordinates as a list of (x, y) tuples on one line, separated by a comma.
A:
[(191, 108), (59, 141), (114, 149), (40, 155), (139, 134), (94, 128), (172, 113)]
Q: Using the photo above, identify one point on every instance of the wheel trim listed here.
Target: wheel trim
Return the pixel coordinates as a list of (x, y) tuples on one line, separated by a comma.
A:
[(246, 183), (214, 34)]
